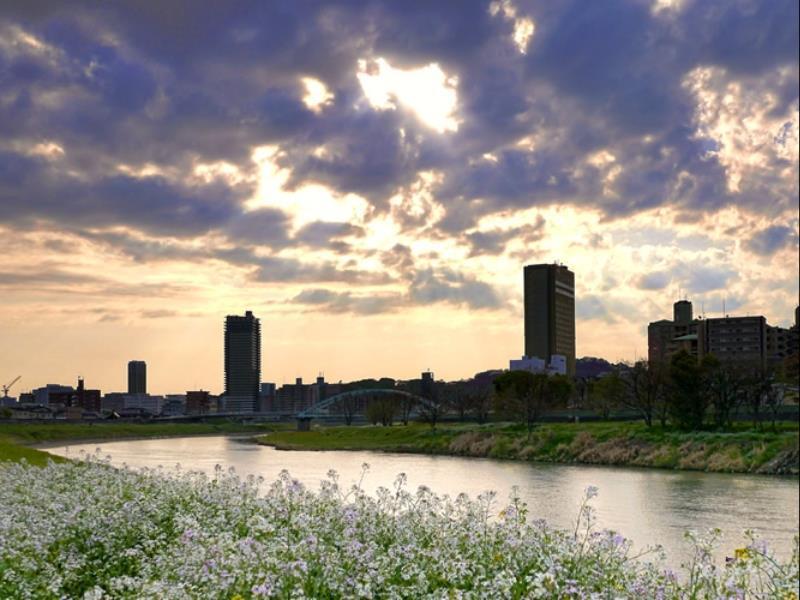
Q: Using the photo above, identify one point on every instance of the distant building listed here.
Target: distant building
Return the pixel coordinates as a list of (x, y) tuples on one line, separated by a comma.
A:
[(173, 406), (88, 400), (113, 402), (527, 363), (198, 402), (137, 377), (532, 364), (118, 402), (266, 397), (747, 341), (550, 313), (53, 394), (146, 402), (781, 343), (242, 362), (665, 338), (741, 340), (31, 411), (428, 386), (293, 398)]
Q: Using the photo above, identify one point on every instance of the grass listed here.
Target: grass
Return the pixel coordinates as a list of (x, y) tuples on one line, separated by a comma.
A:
[(742, 449), (16, 437)]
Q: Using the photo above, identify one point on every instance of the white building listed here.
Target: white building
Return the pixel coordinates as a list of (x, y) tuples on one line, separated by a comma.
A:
[(533, 364), (117, 401), (151, 404)]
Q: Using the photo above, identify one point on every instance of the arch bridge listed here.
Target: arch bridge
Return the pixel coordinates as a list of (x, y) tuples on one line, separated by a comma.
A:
[(315, 411)]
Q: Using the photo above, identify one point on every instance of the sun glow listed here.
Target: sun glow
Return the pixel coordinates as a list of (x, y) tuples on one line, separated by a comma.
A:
[(317, 94), (427, 91), (309, 202)]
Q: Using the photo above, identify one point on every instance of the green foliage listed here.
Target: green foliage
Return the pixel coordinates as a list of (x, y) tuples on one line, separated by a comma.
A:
[(687, 400), (724, 385), (607, 394), (381, 411), (525, 396), (626, 443)]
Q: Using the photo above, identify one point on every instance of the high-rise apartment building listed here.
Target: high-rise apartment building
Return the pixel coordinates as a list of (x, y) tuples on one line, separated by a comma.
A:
[(665, 338), (137, 377), (242, 362), (550, 313), (745, 341)]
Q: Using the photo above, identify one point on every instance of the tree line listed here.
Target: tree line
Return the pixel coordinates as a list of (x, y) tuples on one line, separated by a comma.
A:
[(684, 392), (688, 393)]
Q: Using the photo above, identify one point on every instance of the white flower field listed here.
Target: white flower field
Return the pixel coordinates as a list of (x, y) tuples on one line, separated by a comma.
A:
[(86, 530)]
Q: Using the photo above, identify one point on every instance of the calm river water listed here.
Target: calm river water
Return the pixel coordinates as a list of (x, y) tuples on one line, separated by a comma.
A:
[(648, 506)]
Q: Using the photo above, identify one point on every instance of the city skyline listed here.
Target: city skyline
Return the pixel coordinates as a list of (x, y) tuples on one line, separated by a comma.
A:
[(370, 182)]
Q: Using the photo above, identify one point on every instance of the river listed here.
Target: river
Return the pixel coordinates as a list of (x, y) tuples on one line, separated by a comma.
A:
[(647, 505)]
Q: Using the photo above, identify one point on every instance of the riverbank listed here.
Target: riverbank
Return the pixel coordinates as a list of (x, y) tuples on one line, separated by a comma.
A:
[(17, 439), (620, 444)]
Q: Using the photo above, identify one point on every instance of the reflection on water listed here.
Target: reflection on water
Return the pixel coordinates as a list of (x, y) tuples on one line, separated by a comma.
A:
[(649, 506)]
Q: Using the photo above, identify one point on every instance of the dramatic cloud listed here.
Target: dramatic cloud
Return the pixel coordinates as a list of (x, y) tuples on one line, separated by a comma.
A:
[(429, 287), (772, 239), (654, 281), (369, 157)]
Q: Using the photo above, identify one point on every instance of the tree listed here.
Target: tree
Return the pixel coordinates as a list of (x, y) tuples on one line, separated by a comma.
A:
[(773, 395), (607, 393), (456, 397), (433, 406), (381, 410), (480, 400), (348, 404), (645, 391), (558, 390), (753, 395), (687, 400), (525, 396), (406, 404), (583, 388), (724, 386)]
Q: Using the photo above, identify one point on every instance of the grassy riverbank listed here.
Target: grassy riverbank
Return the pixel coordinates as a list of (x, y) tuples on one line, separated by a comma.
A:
[(625, 444), (15, 438)]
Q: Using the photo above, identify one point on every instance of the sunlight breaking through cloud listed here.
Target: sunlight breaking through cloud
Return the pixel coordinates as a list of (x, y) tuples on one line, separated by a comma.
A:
[(306, 204), (317, 94), (427, 91)]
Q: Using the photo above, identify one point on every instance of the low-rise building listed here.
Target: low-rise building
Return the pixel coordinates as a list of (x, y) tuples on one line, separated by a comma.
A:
[(173, 407), (533, 364), (198, 402), (31, 411), (53, 394), (118, 402)]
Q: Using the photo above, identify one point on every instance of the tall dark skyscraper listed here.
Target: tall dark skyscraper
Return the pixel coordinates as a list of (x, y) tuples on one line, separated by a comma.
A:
[(242, 362), (550, 313), (137, 377)]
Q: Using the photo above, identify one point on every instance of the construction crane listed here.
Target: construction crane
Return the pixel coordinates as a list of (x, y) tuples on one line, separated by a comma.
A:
[(8, 386)]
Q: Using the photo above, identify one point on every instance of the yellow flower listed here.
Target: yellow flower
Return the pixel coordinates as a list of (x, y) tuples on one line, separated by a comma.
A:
[(237, 597), (742, 553), (790, 596)]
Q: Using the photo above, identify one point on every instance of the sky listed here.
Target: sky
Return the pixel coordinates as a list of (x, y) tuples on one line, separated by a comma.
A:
[(370, 177)]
